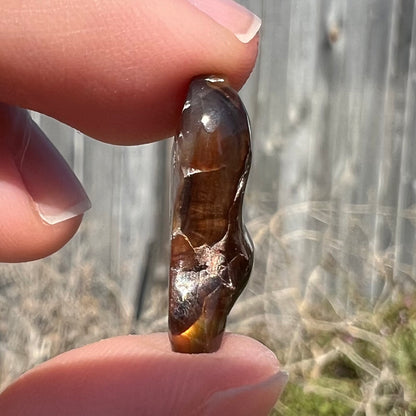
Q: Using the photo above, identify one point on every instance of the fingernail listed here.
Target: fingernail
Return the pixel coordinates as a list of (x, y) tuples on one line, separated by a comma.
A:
[(255, 399), (56, 191), (233, 16)]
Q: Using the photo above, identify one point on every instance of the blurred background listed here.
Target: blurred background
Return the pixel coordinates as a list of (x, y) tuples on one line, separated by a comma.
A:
[(331, 207)]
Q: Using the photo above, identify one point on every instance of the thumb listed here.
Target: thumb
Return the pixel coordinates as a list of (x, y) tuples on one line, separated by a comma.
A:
[(140, 375)]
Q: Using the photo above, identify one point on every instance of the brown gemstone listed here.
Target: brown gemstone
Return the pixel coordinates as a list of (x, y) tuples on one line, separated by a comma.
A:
[(211, 253)]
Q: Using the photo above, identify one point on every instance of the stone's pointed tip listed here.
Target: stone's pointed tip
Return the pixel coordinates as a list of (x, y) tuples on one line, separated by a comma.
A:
[(192, 342)]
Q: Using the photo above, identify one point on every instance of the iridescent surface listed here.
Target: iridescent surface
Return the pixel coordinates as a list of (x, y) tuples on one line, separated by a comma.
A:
[(211, 253)]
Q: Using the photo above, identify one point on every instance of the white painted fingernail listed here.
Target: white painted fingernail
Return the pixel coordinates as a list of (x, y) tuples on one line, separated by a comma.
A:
[(233, 16), (56, 192)]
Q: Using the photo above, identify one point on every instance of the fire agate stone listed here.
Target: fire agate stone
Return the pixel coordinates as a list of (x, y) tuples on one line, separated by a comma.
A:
[(211, 253)]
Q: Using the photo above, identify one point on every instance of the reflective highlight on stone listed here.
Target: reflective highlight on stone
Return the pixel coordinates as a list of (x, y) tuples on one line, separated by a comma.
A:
[(211, 253)]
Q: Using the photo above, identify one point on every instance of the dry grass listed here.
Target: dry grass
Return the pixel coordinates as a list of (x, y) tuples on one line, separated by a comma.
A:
[(340, 315), (347, 354), (45, 312)]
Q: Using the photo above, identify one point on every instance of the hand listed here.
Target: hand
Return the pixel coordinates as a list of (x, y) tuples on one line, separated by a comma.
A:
[(140, 375), (118, 71)]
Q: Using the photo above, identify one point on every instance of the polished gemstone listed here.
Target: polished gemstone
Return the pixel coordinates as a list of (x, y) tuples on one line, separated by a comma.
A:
[(211, 253)]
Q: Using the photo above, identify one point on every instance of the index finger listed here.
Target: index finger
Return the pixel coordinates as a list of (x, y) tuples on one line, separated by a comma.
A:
[(118, 71)]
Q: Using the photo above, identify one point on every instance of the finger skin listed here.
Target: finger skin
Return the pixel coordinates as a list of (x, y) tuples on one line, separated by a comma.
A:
[(23, 235), (116, 70), (140, 375)]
